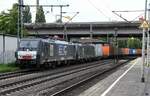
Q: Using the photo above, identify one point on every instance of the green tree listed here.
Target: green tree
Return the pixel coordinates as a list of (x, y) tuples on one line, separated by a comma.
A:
[(27, 15), (9, 21), (122, 43), (4, 21), (103, 39), (134, 43), (13, 14), (40, 17)]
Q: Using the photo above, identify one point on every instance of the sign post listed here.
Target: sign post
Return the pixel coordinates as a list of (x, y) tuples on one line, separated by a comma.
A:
[(148, 37), (144, 26)]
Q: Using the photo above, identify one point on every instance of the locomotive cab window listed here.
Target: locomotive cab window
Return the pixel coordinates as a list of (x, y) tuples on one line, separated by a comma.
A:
[(29, 44)]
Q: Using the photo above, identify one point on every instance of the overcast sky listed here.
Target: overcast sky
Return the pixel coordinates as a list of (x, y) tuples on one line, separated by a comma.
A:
[(89, 10)]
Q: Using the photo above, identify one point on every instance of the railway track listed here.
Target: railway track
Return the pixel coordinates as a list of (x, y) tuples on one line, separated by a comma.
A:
[(33, 83), (15, 74), (75, 85)]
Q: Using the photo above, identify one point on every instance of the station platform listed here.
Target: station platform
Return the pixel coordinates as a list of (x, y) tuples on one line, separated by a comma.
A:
[(126, 81)]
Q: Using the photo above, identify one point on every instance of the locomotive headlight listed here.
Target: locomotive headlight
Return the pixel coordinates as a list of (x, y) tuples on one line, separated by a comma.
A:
[(34, 54), (19, 55)]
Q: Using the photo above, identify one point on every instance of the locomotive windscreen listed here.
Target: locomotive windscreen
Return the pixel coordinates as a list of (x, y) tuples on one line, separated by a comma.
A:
[(31, 44)]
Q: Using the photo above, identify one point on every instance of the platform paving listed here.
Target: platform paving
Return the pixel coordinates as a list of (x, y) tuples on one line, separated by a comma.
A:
[(126, 81)]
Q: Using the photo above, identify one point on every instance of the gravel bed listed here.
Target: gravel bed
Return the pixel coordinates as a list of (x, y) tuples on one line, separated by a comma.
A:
[(65, 84), (36, 75), (50, 84), (83, 87)]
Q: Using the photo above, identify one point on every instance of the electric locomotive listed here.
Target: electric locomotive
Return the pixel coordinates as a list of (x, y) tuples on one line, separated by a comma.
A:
[(44, 52), (28, 52)]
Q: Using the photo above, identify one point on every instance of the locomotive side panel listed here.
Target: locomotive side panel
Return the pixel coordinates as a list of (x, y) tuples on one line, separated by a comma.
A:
[(60, 52), (80, 52)]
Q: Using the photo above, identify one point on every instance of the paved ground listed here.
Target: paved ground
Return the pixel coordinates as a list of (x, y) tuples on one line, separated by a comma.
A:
[(124, 82)]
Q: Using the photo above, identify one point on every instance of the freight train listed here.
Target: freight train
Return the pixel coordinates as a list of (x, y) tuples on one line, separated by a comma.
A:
[(39, 52)]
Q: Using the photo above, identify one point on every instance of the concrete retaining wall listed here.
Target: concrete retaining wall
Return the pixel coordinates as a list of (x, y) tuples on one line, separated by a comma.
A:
[(8, 55)]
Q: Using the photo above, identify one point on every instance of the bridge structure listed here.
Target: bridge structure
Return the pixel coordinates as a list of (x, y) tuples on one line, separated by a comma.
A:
[(85, 29)]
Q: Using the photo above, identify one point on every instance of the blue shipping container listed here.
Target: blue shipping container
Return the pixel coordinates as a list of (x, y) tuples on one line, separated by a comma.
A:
[(132, 51)]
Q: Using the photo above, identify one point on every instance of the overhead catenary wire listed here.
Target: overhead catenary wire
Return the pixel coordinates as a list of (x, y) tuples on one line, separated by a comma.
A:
[(122, 11), (130, 11), (121, 17), (100, 11), (137, 17), (126, 11)]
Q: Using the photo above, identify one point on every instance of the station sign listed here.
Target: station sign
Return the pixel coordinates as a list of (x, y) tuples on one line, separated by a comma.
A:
[(145, 24)]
